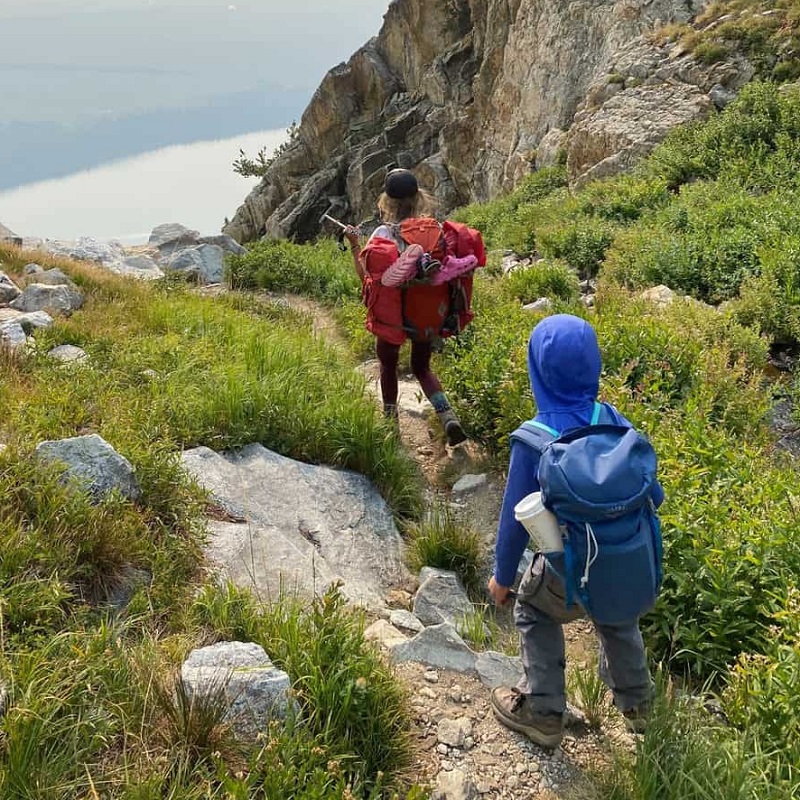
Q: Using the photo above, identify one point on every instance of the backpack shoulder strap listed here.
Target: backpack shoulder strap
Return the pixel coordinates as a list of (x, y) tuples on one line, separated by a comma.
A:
[(535, 435), (538, 435)]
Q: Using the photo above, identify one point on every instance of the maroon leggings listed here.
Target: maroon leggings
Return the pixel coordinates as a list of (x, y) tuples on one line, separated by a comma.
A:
[(388, 355)]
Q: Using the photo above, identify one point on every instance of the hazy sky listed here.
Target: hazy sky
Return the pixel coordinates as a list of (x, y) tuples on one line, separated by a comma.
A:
[(72, 60), (83, 82)]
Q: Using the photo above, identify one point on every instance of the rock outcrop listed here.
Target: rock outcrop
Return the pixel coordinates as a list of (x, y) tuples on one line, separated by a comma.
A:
[(466, 91), (295, 527), (8, 236)]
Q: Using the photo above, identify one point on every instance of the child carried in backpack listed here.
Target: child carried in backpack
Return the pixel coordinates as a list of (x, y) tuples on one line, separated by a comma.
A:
[(598, 476)]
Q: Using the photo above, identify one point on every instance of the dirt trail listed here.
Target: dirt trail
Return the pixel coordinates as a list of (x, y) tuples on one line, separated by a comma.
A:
[(497, 763)]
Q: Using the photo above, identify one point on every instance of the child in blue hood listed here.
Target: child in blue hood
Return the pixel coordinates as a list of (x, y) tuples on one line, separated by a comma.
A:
[(564, 365)]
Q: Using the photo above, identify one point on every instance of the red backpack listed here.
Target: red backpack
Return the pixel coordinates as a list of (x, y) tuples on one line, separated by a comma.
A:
[(418, 310)]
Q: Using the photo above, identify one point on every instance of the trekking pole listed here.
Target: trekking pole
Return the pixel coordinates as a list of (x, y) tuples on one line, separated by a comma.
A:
[(334, 221)]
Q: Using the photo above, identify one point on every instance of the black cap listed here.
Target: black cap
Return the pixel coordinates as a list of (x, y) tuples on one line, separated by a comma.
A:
[(401, 184)]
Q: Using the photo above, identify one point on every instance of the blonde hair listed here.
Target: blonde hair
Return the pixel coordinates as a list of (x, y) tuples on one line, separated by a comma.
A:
[(394, 210)]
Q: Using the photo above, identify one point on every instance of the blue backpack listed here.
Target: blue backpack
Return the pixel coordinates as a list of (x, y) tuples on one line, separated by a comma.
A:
[(598, 480)]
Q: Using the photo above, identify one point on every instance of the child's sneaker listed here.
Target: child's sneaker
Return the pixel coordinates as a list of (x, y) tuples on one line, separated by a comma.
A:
[(510, 707), (636, 718)]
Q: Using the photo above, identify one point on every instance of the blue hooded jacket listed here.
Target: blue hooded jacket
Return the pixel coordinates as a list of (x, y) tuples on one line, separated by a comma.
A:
[(564, 366)]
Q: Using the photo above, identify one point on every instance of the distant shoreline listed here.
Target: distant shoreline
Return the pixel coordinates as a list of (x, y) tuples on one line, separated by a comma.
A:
[(193, 184)]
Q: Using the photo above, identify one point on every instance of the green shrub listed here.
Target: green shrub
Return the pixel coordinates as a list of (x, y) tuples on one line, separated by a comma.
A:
[(751, 142), (761, 695), (582, 244), (709, 241), (729, 551), (503, 222), (624, 198), (321, 271), (485, 370), (543, 279)]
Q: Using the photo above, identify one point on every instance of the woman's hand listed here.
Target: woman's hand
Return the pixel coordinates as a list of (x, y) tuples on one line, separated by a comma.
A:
[(353, 236)]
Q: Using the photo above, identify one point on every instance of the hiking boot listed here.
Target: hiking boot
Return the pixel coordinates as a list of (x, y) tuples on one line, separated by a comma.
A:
[(636, 718), (510, 708), (452, 427)]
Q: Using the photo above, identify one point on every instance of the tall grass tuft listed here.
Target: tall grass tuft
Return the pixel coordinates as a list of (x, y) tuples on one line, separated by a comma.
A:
[(590, 694), (686, 755), (349, 699), (440, 540)]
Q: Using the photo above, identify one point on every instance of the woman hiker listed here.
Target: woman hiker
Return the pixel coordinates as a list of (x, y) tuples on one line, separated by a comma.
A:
[(417, 284)]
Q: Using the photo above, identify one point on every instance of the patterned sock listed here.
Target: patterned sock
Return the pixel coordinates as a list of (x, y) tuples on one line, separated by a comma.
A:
[(439, 402)]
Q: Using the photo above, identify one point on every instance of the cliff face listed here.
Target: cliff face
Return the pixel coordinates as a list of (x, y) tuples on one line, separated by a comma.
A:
[(465, 91)]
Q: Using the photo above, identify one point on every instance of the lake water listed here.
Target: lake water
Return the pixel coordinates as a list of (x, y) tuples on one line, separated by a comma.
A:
[(192, 184)]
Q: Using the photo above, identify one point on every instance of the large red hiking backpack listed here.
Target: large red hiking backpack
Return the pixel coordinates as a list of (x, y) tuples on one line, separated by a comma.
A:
[(417, 309)]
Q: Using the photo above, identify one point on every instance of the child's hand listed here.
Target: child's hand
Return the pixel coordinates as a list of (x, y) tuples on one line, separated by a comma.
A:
[(500, 594)]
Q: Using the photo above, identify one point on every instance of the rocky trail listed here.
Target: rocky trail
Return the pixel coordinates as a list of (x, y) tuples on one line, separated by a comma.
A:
[(460, 750)]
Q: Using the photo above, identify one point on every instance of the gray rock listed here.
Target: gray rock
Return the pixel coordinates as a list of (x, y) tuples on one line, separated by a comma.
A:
[(206, 262), (550, 148), (29, 321), (227, 243), (410, 399), (441, 598), (463, 93), (467, 484), (125, 583), (9, 237), (32, 269), (498, 669), (405, 620), (93, 463), (306, 526), (659, 295), (53, 277), (437, 646), (8, 289), (139, 266), (171, 237), (540, 306), (454, 784), (510, 263), (453, 732), (384, 633), (721, 96), (12, 336), (255, 690), (39, 296), (67, 353), (87, 249)]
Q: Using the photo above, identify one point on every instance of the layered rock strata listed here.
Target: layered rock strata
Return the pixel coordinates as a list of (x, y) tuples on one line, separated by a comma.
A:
[(465, 92)]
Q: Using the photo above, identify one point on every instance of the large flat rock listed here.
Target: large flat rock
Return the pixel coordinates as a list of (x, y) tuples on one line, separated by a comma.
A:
[(305, 526)]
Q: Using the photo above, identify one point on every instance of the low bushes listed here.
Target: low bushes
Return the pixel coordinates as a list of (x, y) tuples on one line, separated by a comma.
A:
[(544, 279), (323, 271)]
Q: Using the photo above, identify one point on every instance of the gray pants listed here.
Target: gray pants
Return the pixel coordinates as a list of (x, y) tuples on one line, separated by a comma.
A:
[(539, 613)]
